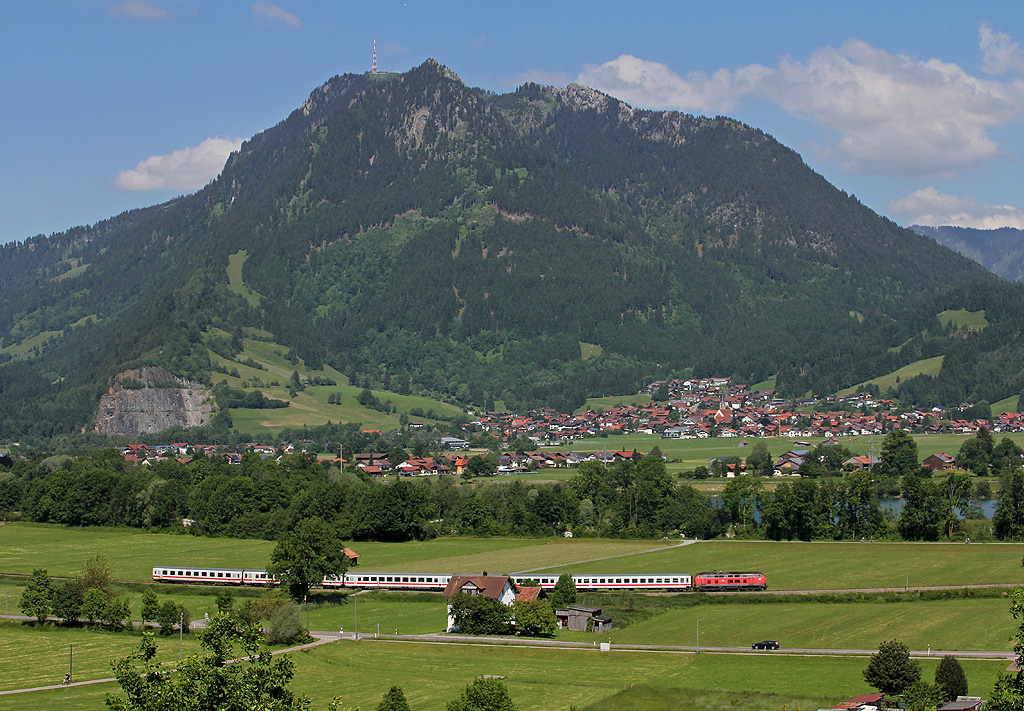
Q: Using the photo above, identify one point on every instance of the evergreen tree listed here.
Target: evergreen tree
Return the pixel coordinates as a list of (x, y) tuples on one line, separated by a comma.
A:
[(483, 695), (37, 600), (150, 606), (394, 700), (951, 678), (891, 670)]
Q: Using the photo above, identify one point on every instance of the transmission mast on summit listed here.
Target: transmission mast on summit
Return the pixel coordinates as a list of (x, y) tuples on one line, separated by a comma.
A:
[(373, 67)]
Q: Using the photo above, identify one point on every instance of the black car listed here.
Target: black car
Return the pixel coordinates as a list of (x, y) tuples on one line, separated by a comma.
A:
[(767, 644)]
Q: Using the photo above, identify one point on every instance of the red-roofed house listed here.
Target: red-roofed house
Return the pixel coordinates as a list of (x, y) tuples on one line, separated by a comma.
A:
[(497, 587)]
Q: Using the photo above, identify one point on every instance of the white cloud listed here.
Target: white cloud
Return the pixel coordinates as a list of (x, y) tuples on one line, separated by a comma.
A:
[(1001, 53), (139, 10), (186, 170), (884, 112), (930, 207), (269, 12)]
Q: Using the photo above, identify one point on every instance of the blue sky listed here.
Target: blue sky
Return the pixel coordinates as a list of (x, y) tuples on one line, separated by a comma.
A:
[(915, 107)]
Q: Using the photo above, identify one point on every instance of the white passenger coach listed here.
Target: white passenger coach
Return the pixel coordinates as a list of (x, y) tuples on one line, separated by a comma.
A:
[(418, 581)]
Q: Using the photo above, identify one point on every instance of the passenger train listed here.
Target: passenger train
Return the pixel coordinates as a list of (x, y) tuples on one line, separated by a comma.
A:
[(711, 581)]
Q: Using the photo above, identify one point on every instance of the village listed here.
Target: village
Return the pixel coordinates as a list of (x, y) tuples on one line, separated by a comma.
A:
[(689, 409)]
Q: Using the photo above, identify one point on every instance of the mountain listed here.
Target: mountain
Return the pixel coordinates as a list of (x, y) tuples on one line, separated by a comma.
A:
[(1001, 251), (421, 236)]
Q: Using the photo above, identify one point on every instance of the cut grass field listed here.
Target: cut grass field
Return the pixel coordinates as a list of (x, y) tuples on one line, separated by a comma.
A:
[(130, 553), (43, 654), (833, 566), (788, 565), (553, 679), (919, 624)]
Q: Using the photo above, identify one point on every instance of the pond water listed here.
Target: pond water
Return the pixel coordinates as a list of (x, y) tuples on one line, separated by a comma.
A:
[(896, 505)]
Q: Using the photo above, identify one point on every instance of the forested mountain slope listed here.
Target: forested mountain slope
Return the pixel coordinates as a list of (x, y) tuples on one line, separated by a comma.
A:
[(420, 235)]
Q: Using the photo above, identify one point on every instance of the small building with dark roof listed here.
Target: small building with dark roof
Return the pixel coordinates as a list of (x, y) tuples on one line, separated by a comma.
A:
[(583, 618)]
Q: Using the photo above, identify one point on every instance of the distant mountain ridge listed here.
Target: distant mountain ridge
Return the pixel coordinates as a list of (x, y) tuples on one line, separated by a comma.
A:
[(419, 235), (1001, 251)]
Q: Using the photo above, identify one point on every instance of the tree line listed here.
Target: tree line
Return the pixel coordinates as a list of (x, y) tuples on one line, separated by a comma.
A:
[(632, 498)]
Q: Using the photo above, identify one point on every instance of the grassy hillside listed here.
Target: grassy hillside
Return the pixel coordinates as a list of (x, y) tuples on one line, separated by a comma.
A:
[(926, 366), (310, 406)]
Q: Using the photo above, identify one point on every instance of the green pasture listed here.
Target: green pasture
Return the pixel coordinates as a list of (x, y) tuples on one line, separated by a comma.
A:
[(962, 318), (832, 566), (603, 403), (409, 613), (959, 624), (688, 453), (235, 282), (130, 553), (476, 555), (1008, 404), (541, 679), (310, 406), (927, 366), (44, 653)]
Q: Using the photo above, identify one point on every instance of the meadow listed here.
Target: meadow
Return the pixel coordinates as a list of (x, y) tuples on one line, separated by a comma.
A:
[(552, 679), (834, 566), (44, 654), (549, 678)]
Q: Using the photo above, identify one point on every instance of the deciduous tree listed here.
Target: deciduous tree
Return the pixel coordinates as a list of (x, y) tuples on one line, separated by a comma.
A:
[(533, 618), (37, 600), (307, 554), (564, 593), (67, 600), (891, 669), (209, 681)]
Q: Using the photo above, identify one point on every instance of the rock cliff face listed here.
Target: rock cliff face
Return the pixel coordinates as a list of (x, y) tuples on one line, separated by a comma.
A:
[(148, 400)]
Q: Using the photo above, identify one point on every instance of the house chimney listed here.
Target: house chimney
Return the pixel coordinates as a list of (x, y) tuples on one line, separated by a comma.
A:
[(485, 573)]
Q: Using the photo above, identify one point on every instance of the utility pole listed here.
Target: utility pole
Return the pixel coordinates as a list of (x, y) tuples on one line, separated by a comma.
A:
[(71, 662), (698, 635), (181, 633), (355, 597)]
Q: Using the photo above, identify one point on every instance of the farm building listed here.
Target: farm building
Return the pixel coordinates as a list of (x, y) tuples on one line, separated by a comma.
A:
[(583, 618)]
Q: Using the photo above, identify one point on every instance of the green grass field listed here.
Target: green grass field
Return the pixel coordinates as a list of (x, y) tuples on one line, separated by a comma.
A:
[(962, 318), (44, 654), (548, 679), (310, 406), (235, 282), (688, 453), (131, 553), (927, 366), (834, 566), (919, 624)]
